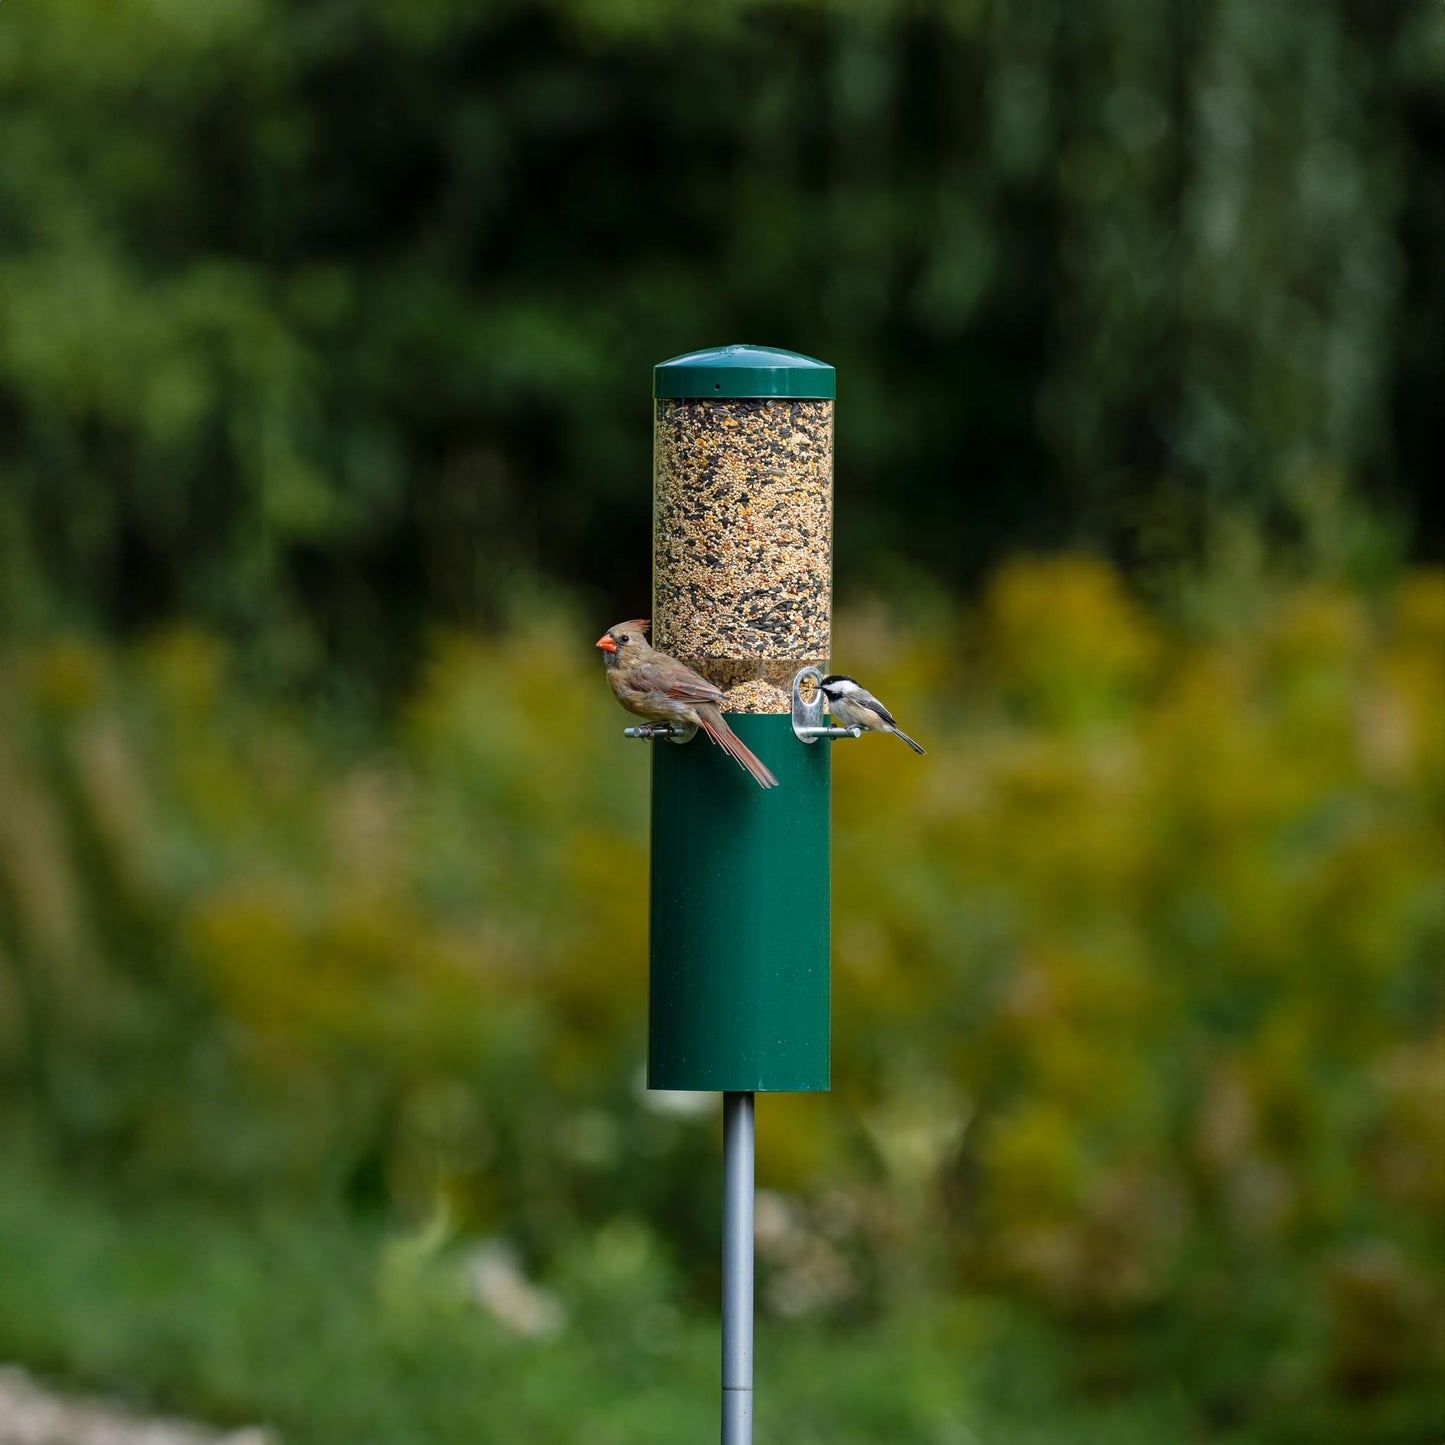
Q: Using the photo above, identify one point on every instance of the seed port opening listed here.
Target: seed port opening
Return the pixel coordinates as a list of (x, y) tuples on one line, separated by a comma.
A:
[(810, 704)]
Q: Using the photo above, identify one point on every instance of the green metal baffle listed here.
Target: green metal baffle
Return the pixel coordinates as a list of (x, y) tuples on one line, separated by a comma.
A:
[(739, 987)]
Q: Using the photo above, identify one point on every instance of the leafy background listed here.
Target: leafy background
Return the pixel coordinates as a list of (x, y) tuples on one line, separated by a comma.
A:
[(324, 348)]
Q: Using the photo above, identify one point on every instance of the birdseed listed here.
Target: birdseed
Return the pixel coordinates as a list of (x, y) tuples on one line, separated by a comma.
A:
[(743, 541), (758, 697)]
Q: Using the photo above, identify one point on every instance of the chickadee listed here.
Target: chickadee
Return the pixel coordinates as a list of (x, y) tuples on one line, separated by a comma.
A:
[(663, 690), (855, 707)]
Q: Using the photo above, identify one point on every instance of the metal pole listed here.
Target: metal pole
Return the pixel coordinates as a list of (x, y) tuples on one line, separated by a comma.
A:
[(737, 1272)]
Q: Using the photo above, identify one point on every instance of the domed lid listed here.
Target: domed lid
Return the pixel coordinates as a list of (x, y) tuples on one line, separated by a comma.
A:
[(737, 371)]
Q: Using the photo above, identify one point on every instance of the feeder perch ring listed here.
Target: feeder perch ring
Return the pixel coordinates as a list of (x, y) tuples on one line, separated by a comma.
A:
[(810, 706)]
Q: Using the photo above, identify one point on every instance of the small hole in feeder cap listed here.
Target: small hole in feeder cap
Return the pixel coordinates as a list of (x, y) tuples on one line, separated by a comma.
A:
[(717, 386)]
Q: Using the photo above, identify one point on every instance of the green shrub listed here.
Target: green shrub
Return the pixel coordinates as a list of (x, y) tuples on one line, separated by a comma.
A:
[(1138, 1016)]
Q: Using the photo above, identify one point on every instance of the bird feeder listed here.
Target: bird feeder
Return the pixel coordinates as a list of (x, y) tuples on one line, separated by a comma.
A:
[(743, 593)]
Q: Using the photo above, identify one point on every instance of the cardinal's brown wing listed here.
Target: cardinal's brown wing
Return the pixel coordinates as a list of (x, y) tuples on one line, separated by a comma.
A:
[(668, 675)]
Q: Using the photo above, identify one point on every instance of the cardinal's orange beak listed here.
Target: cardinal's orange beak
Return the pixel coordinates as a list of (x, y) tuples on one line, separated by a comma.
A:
[(606, 643)]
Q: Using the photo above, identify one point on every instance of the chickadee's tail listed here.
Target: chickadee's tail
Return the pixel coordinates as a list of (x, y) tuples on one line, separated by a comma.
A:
[(899, 733), (717, 729)]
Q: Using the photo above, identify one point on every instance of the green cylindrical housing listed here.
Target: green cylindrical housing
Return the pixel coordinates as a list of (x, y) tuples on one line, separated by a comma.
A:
[(742, 591), (739, 989)]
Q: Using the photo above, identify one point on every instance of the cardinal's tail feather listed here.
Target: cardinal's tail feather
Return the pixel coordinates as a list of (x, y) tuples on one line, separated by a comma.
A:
[(714, 725), (899, 733)]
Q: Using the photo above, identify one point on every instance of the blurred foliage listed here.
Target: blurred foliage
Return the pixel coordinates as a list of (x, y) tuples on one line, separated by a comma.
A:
[(324, 344), (1142, 1026), (321, 323), (296, 1325)]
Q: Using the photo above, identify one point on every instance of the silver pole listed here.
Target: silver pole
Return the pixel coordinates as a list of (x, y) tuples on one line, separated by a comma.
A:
[(737, 1271)]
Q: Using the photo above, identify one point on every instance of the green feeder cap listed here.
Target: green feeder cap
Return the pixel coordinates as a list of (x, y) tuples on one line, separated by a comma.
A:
[(744, 371)]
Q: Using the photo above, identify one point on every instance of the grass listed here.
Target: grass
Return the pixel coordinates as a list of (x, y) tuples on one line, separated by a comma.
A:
[(337, 1335)]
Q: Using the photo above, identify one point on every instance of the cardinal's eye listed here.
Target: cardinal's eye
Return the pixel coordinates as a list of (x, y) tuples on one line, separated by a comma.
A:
[(623, 637)]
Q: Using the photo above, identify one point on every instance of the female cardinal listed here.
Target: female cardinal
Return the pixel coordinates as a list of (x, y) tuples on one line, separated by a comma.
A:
[(855, 707), (661, 689)]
